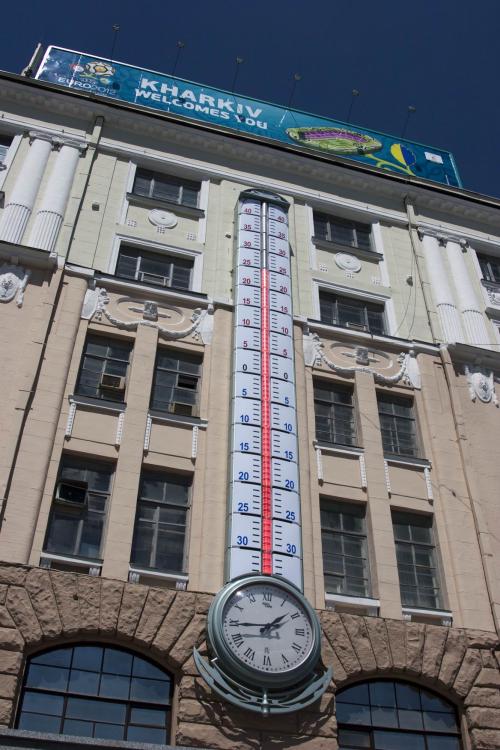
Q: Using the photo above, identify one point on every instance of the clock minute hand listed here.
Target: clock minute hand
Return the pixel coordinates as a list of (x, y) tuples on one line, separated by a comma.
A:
[(276, 623)]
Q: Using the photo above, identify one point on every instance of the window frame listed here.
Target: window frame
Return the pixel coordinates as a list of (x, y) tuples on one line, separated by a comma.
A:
[(355, 226), (417, 449), (169, 179), (335, 387), (168, 258), (363, 301), (345, 508), (75, 462), (401, 709), (129, 703), (413, 544), (485, 267), (179, 354), (165, 475), (104, 394)]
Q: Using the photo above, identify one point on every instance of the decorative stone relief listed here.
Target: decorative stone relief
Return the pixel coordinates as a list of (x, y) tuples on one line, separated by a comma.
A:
[(481, 385), (13, 281), (152, 313), (367, 360), (161, 218), (347, 262), (493, 292)]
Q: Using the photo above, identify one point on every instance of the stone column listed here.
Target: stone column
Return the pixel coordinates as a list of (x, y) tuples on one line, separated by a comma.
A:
[(50, 214), (470, 307), (441, 290), (23, 195)]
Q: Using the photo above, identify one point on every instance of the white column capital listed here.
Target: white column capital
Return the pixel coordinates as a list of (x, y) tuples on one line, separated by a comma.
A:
[(57, 140), (443, 237)]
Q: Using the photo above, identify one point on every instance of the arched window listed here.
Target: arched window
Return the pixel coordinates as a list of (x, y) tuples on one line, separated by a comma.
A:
[(390, 715), (96, 691)]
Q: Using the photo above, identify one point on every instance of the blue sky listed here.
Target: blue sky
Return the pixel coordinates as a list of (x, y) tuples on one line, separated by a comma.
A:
[(440, 56)]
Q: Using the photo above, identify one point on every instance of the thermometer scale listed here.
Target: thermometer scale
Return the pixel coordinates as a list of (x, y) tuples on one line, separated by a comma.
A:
[(264, 516)]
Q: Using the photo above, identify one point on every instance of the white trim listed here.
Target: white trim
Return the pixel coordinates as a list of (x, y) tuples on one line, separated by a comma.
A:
[(9, 158), (378, 246), (360, 294), (387, 340), (445, 616), (313, 250), (456, 235), (77, 561), (161, 249), (176, 577), (371, 606), (123, 211), (343, 451), (203, 205), (422, 464)]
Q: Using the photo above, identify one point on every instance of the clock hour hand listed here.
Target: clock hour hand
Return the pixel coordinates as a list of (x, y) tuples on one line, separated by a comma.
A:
[(276, 623)]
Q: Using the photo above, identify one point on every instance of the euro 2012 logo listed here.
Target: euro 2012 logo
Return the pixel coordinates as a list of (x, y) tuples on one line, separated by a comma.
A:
[(96, 70)]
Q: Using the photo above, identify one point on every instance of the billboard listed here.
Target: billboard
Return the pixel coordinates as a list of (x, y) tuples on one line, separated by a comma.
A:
[(165, 93)]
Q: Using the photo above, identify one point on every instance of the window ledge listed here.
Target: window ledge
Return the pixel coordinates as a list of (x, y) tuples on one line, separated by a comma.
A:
[(421, 463), (97, 404), (336, 247), (25, 740), (92, 567), (161, 416), (179, 581), (342, 449), (189, 212), (357, 604), (151, 292), (418, 614)]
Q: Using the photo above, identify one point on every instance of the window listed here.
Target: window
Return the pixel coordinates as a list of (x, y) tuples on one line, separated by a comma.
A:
[(79, 508), (165, 187), (349, 312), (490, 267), (103, 370), (160, 523), (345, 558), (154, 268), (334, 410), (5, 142), (418, 575), (342, 231), (397, 425), (96, 691), (175, 384), (390, 715)]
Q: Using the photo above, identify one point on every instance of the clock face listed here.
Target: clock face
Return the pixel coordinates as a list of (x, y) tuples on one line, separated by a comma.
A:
[(267, 628)]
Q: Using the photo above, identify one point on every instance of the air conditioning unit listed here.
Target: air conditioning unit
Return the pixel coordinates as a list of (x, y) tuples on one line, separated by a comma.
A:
[(112, 382), (356, 326), (154, 278), (185, 410), (72, 493)]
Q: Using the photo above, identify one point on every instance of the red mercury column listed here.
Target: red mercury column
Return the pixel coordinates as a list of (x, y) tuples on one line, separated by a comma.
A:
[(267, 529)]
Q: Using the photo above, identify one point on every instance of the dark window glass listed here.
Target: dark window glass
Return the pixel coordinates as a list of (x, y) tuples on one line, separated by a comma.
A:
[(154, 268), (160, 528), (349, 312), (418, 574), (5, 142), (375, 715), (75, 698), (175, 383), (166, 188), (490, 267), (334, 411), (345, 558), (103, 369), (342, 231), (79, 509), (397, 425)]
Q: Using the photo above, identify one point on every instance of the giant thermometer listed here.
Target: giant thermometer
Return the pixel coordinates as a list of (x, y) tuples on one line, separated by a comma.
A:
[(264, 516)]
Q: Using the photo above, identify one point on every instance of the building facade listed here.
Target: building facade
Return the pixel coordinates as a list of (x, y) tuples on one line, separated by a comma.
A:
[(119, 300)]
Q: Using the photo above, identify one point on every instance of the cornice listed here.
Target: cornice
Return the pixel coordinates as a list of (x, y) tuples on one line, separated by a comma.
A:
[(252, 151)]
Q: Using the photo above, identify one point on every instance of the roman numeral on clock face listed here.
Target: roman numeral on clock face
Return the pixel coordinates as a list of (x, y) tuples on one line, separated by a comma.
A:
[(300, 631), (296, 648), (267, 661), (295, 615), (266, 596), (250, 654), (238, 639), (285, 660)]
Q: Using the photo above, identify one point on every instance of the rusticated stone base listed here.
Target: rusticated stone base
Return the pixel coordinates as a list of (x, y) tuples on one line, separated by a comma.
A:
[(40, 608)]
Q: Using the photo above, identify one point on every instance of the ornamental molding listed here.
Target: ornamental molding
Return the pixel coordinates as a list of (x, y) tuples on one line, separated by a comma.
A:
[(160, 218), (13, 281), (367, 360), (493, 292), (442, 237), (481, 384), (347, 262), (57, 140), (152, 314)]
